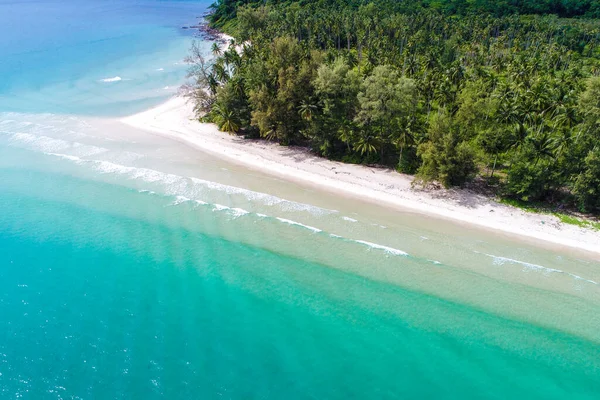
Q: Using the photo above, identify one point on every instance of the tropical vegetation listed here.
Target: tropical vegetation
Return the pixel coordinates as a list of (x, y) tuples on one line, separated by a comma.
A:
[(449, 90)]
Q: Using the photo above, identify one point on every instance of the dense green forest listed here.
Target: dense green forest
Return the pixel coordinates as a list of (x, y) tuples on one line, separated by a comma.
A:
[(449, 90)]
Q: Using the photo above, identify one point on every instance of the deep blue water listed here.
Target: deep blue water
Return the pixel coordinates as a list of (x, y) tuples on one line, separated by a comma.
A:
[(56, 54)]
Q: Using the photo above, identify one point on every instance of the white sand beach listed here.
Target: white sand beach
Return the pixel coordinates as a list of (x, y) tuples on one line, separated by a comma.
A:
[(175, 119)]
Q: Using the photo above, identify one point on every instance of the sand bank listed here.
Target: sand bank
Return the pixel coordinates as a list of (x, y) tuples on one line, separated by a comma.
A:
[(175, 119)]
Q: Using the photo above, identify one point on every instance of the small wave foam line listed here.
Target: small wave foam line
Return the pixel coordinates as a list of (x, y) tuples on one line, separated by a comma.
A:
[(290, 222), (234, 211), (387, 249), (175, 183), (40, 124), (50, 145), (66, 157), (499, 260), (152, 176), (113, 79), (178, 200), (238, 212), (265, 198)]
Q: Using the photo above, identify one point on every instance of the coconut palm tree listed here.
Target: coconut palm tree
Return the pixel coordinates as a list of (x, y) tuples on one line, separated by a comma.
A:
[(229, 122), (367, 144), (306, 110), (216, 49)]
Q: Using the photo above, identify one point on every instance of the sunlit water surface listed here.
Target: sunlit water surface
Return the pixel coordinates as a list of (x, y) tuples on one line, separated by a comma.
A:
[(133, 267)]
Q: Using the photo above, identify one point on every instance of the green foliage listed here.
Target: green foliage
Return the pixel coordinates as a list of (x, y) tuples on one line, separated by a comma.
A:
[(445, 157), (386, 101), (571, 220), (527, 180), (444, 88), (587, 183), (534, 207), (589, 108), (336, 86)]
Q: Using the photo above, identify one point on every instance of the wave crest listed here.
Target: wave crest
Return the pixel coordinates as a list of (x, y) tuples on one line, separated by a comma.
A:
[(113, 79)]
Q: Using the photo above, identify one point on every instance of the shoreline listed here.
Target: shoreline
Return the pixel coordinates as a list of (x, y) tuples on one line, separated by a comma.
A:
[(174, 119)]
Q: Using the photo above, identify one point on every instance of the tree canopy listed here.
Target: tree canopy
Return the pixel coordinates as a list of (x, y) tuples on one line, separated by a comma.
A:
[(447, 89)]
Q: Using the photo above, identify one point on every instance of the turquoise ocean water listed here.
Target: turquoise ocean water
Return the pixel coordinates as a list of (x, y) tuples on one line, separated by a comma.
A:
[(132, 267)]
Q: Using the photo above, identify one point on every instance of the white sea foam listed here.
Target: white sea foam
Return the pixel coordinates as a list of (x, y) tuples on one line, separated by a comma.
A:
[(387, 249), (42, 143), (380, 226), (160, 69), (42, 124), (349, 219), (171, 184), (238, 212), (113, 79), (290, 222), (264, 198), (498, 260), (66, 157), (50, 145), (179, 200), (234, 211)]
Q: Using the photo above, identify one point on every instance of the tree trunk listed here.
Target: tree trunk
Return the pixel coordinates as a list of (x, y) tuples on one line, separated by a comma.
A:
[(359, 54), (494, 167), (400, 159)]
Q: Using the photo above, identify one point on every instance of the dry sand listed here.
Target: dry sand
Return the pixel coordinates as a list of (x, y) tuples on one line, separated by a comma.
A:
[(175, 119)]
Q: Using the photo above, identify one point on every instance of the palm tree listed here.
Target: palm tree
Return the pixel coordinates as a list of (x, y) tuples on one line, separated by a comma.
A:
[(229, 123), (346, 134), (306, 110), (520, 133), (226, 120), (238, 85), (212, 83), (406, 138), (367, 144), (543, 144), (216, 49), (220, 72)]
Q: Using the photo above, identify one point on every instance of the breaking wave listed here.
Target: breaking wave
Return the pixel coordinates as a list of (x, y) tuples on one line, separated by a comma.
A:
[(498, 260), (113, 79)]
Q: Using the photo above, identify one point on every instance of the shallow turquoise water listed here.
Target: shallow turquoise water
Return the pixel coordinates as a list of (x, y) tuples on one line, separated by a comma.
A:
[(131, 267)]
